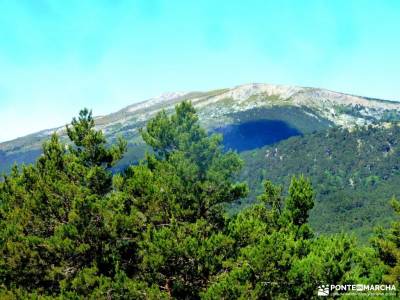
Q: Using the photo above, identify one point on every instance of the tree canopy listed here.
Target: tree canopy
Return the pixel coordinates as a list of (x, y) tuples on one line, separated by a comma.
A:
[(72, 229)]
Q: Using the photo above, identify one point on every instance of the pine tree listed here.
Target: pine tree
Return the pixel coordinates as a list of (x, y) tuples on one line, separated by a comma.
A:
[(387, 245), (189, 178), (276, 256)]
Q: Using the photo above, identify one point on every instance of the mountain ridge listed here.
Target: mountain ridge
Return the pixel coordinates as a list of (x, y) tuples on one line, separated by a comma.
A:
[(303, 108), (239, 93)]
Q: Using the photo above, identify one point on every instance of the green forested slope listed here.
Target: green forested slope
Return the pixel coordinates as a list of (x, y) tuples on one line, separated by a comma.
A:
[(353, 173)]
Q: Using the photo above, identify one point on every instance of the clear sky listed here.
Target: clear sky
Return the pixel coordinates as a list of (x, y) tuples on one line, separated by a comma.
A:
[(57, 57)]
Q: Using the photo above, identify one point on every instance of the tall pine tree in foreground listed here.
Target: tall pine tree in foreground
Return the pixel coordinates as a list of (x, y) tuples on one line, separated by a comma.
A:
[(70, 229)]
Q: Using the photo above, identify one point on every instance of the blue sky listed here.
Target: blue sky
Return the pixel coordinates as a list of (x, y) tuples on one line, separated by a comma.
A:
[(57, 57)]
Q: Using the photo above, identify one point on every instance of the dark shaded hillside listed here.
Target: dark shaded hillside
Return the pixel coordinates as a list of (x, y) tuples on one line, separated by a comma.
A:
[(256, 134), (302, 119), (243, 130), (249, 129), (354, 173)]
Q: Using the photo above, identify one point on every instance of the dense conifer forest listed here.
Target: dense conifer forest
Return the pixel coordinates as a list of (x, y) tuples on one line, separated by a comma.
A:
[(353, 173), (159, 229)]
